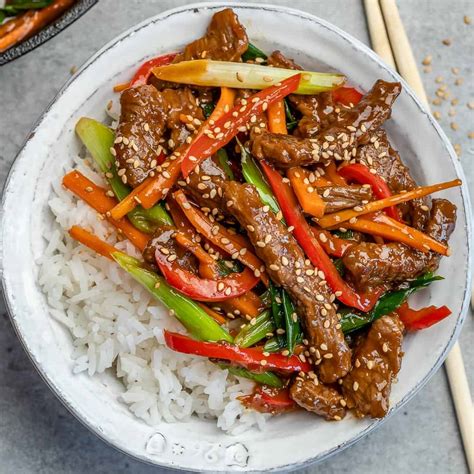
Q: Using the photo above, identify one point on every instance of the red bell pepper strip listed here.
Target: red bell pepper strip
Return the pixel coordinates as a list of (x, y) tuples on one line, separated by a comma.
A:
[(204, 289), (421, 318), (318, 257), (144, 71), (227, 127), (361, 174), (332, 245), (252, 358), (269, 400), (347, 95)]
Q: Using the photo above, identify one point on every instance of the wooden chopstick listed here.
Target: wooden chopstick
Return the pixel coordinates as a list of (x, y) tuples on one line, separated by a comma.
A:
[(388, 34)]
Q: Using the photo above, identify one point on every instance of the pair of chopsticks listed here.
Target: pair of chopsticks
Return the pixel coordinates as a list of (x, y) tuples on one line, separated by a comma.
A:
[(390, 41)]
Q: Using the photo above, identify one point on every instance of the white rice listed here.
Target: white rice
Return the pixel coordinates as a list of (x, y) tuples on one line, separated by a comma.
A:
[(115, 325)]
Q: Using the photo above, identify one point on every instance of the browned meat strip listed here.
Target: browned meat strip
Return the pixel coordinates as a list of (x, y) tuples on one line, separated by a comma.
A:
[(371, 265), (312, 395), (380, 156), (162, 239), (150, 120), (344, 197), (287, 267), (317, 111), (142, 123), (207, 186), (177, 102), (225, 40), (377, 361), (338, 142)]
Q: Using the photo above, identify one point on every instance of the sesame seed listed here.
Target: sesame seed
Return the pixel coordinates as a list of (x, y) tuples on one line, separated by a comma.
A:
[(323, 347), (326, 324), (328, 356), (172, 258), (263, 362), (267, 78), (274, 267), (355, 386), (385, 347), (370, 364)]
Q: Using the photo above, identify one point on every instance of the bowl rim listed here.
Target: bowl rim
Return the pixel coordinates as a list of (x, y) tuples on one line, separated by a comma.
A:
[(362, 48)]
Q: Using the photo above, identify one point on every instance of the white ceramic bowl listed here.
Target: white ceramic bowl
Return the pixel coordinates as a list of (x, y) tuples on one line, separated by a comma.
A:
[(293, 440)]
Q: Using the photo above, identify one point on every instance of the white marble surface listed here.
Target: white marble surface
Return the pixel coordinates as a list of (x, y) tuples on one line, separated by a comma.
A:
[(37, 434)]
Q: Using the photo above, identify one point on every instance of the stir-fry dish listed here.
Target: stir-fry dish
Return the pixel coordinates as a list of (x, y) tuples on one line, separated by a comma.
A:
[(276, 221), (21, 19)]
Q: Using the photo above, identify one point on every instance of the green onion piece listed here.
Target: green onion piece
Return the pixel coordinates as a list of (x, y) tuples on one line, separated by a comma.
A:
[(291, 121), (226, 267), (338, 263), (273, 345), (251, 334), (264, 378), (204, 72), (99, 139), (293, 328), (277, 312), (389, 302), (347, 235), (207, 109), (253, 53), (223, 159), (253, 175), (198, 323)]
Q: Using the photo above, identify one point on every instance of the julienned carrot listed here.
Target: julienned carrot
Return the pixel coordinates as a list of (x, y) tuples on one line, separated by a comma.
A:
[(213, 314), (332, 175), (332, 245), (307, 195), (249, 304), (90, 240), (234, 245), (321, 182), (277, 117), (337, 218), (121, 87), (154, 188), (415, 235), (96, 197)]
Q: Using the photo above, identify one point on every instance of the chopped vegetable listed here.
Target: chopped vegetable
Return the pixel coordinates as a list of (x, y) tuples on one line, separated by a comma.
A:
[(249, 304), (332, 245), (204, 289), (99, 139), (251, 358), (291, 121), (253, 53), (97, 198), (267, 400), (293, 328), (348, 96), (310, 245), (204, 72), (391, 229), (94, 243), (264, 378), (277, 313), (332, 175), (337, 218), (362, 175), (228, 125), (253, 175), (223, 159), (153, 189), (140, 78), (307, 195), (255, 331), (277, 117), (233, 244), (415, 320), (189, 313), (388, 303)]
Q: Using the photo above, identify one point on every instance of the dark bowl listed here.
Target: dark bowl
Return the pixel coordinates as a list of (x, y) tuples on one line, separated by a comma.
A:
[(48, 32)]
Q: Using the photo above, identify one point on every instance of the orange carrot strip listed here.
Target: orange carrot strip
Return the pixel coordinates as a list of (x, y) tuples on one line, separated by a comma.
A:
[(310, 200), (414, 234), (90, 240), (332, 175), (337, 218), (121, 87), (217, 234), (277, 117), (97, 198), (249, 304), (320, 182), (153, 189), (213, 314)]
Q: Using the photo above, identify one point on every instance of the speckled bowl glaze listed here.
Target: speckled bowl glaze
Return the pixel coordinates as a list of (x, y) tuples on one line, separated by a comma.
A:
[(290, 441)]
